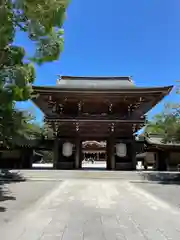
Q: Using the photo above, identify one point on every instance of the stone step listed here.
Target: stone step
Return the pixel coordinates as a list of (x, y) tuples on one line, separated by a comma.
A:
[(57, 175), (76, 174)]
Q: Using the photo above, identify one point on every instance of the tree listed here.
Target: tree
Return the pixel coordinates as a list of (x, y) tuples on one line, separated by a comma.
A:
[(166, 124), (47, 132), (21, 130), (42, 21)]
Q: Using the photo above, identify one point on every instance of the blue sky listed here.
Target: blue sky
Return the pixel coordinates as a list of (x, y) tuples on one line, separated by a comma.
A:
[(118, 37)]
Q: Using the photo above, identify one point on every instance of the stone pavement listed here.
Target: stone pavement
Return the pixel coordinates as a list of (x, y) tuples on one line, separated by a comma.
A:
[(88, 209), (169, 192), (15, 197), (57, 175)]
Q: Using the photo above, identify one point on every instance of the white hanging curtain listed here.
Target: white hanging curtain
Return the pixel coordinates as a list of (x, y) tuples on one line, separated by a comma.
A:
[(67, 149), (121, 150)]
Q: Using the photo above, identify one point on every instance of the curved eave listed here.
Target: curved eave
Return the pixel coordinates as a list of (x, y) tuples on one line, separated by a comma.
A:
[(155, 141), (56, 89)]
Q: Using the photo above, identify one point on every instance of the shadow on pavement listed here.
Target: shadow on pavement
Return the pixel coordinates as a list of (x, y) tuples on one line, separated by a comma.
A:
[(7, 177), (161, 177), (5, 195), (2, 209)]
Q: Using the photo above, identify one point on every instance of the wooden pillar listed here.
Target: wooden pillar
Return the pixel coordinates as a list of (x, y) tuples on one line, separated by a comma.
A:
[(55, 153), (31, 158), (133, 154), (113, 165), (22, 164), (110, 154), (26, 159), (162, 161), (78, 154)]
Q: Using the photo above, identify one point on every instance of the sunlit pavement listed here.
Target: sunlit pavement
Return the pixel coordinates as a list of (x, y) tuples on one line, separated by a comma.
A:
[(96, 164), (85, 164), (95, 209)]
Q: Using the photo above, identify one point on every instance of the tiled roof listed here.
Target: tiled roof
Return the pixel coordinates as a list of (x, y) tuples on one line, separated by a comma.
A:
[(156, 139), (95, 82)]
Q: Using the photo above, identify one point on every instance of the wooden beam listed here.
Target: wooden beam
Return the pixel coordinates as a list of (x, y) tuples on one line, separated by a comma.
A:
[(90, 116), (95, 120), (142, 110), (89, 136)]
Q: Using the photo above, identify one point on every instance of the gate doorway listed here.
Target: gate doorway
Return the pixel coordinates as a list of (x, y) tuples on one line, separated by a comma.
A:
[(94, 155)]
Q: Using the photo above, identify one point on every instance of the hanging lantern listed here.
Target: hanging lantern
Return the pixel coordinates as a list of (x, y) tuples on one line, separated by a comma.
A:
[(67, 149), (121, 149)]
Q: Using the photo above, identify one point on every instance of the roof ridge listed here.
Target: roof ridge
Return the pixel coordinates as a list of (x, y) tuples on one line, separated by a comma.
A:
[(127, 78)]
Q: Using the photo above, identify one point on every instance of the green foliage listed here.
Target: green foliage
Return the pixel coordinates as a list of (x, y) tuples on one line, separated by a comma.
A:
[(42, 21), (47, 132), (166, 124), (47, 156), (21, 128)]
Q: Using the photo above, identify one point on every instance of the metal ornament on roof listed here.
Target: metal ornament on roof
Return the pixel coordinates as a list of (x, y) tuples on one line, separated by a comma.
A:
[(121, 149), (54, 108), (50, 98), (112, 127), (80, 106), (56, 127), (130, 109), (67, 149), (51, 102), (77, 127), (134, 128), (61, 108), (110, 107)]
